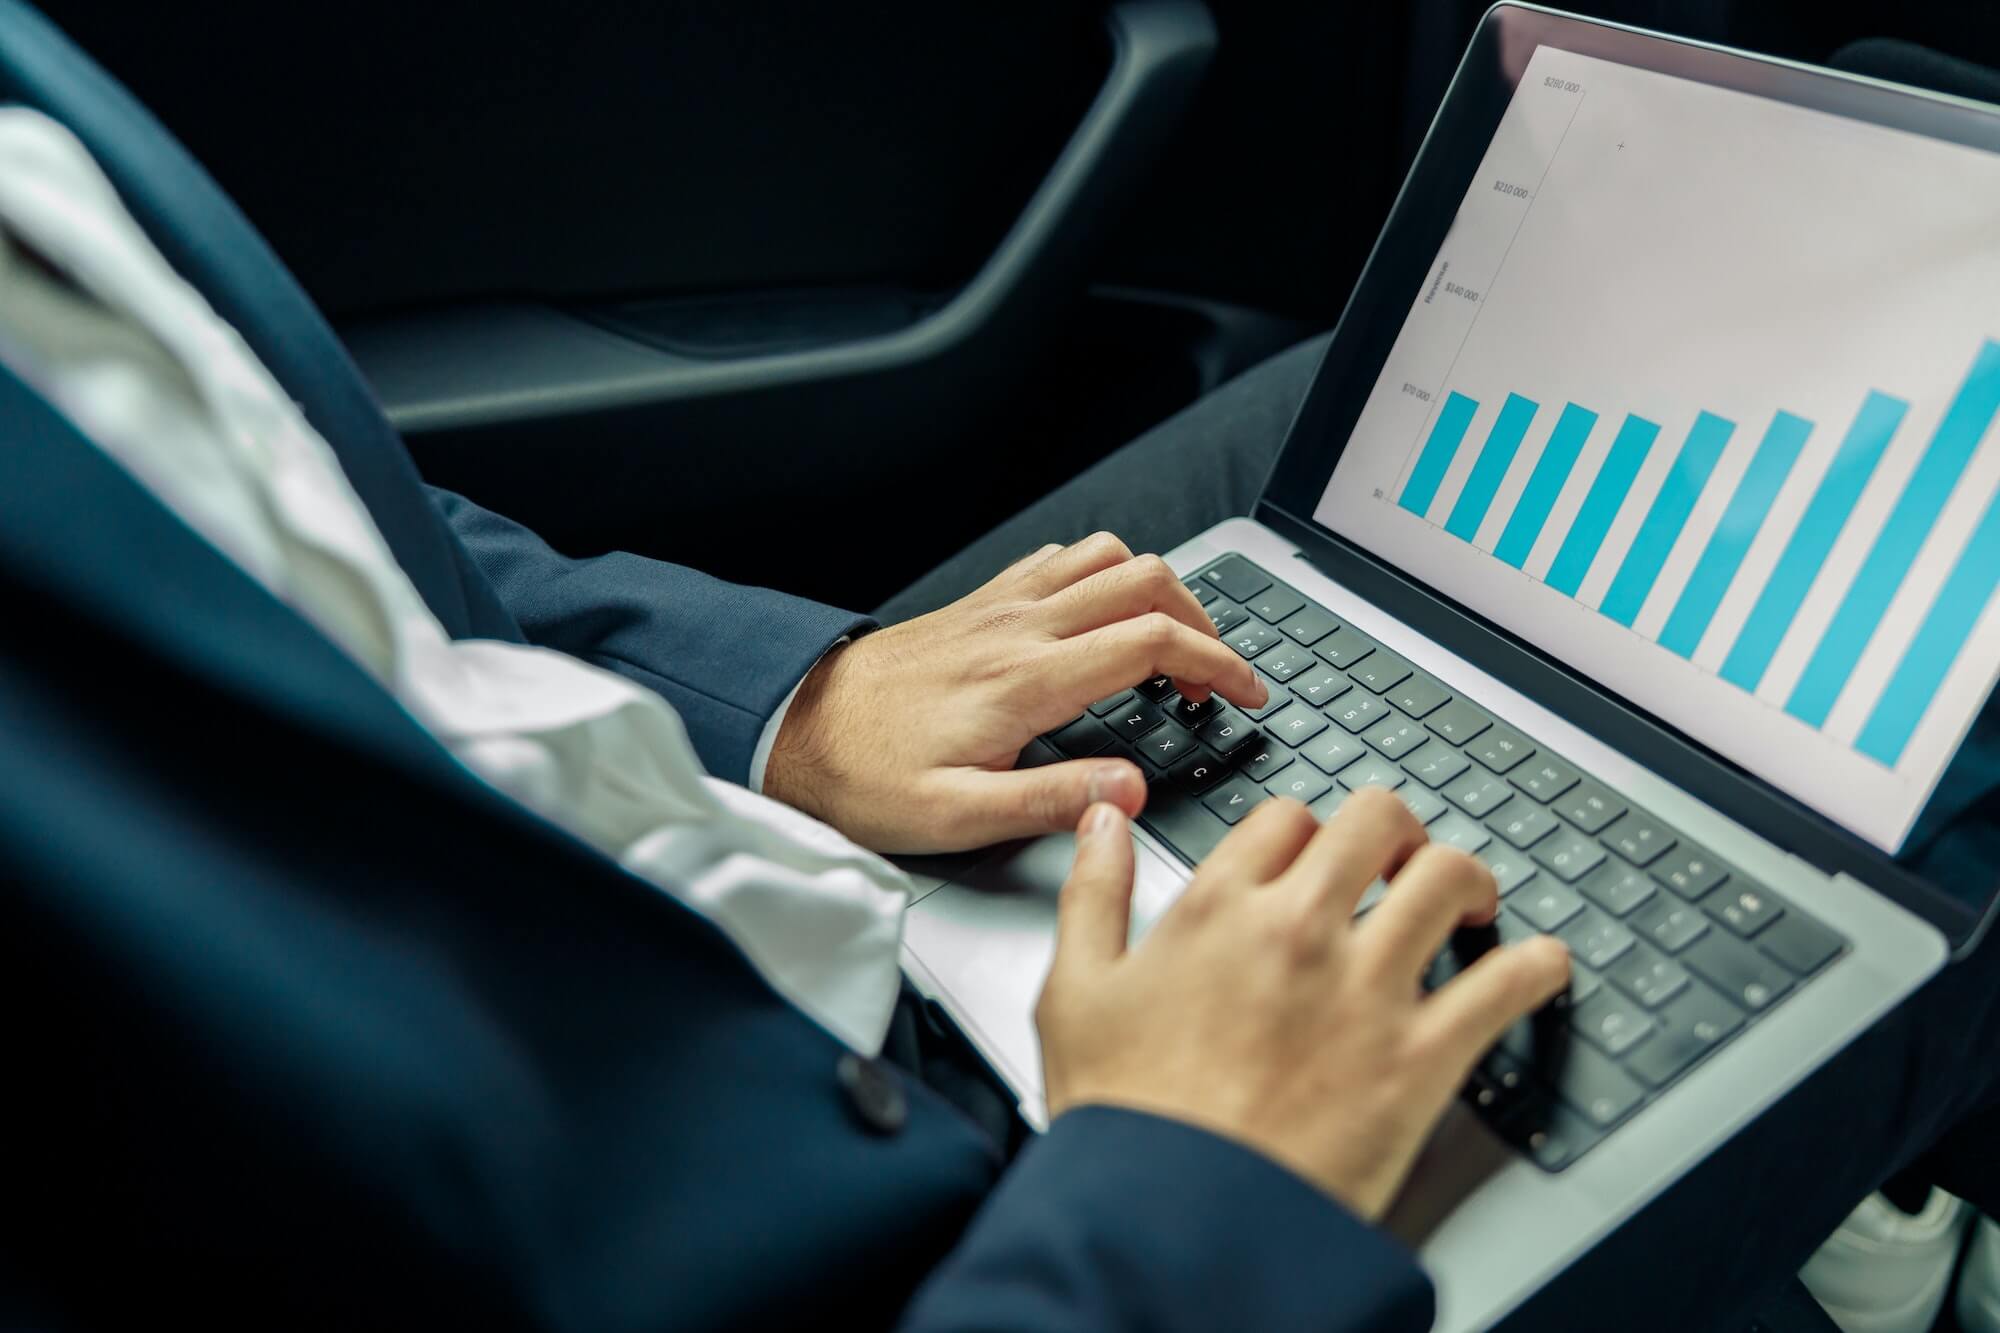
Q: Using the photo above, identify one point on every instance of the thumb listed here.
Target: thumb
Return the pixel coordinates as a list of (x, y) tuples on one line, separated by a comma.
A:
[(1026, 802), (1095, 913)]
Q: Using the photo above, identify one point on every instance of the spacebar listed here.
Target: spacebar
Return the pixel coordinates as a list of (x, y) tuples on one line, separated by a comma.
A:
[(1183, 822)]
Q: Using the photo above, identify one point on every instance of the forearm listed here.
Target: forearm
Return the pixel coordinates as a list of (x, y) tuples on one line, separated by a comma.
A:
[(725, 656)]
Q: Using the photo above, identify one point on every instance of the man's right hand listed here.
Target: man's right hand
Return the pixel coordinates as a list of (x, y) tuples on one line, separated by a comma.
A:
[(1259, 1009)]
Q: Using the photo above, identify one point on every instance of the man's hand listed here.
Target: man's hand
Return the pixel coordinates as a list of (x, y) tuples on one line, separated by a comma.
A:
[(1259, 1009), (905, 739)]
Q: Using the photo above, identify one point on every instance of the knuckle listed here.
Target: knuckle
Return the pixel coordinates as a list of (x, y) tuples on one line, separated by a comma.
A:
[(1038, 803), (1435, 861), (1104, 545), (1158, 630), (1466, 875), (1457, 881), (1032, 560), (1155, 573)]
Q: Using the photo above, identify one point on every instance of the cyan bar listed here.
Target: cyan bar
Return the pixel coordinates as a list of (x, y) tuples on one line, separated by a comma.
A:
[(1668, 515), (1545, 483), (1435, 460), (1601, 504), (1937, 644), (1730, 542), (1826, 514), (1889, 560), (1495, 457)]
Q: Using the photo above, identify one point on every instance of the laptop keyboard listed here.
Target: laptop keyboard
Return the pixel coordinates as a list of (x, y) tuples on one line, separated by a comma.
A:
[(1674, 953)]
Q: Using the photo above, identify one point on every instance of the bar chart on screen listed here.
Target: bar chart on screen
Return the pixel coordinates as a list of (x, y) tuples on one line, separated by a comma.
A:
[(1699, 398), (1566, 546)]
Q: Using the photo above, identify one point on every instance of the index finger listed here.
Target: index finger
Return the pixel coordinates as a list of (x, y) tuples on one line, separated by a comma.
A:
[(1104, 661), (1369, 838), (1071, 564), (1143, 583), (1465, 1016), (1439, 890)]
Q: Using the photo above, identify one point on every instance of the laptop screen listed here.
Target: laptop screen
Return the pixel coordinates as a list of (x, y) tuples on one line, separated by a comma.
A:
[(1699, 396)]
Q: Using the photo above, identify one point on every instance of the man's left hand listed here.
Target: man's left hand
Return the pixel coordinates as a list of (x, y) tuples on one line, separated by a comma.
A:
[(905, 739)]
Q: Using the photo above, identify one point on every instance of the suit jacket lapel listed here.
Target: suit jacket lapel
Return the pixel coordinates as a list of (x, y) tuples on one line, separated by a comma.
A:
[(77, 525)]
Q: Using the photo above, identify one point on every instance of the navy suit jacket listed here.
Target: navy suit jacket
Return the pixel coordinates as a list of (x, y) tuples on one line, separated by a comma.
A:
[(308, 1027)]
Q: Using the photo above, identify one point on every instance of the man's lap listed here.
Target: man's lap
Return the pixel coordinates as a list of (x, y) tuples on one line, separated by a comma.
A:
[(1916, 1089)]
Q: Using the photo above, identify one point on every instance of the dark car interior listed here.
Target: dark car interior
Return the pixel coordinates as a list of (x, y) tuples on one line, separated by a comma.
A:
[(809, 299), (707, 281)]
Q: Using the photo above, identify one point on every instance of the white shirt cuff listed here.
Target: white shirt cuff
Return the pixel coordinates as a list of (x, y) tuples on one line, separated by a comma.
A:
[(760, 757)]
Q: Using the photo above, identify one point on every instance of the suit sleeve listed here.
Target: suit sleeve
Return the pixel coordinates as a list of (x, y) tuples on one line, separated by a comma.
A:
[(1121, 1220), (724, 655)]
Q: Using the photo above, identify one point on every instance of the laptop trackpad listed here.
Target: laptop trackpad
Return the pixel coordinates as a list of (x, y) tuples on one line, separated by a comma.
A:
[(987, 940)]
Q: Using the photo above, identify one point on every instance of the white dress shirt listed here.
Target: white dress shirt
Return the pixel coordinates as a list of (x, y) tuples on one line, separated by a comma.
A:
[(140, 364)]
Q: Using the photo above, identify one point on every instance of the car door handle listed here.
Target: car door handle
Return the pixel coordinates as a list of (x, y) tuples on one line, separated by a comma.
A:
[(508, 363)]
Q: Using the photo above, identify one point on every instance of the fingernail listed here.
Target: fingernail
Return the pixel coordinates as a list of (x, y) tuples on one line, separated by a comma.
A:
[(1097, 822), (1263, 692), (1105, 782)]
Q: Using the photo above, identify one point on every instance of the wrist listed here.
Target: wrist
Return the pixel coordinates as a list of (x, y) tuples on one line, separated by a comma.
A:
[(800, 771)]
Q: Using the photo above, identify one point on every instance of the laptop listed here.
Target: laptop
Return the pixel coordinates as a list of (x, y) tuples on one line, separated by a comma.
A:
[(1641, 529)]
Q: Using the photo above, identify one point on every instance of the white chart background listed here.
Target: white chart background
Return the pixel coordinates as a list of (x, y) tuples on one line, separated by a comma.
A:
[(1685, 248)]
